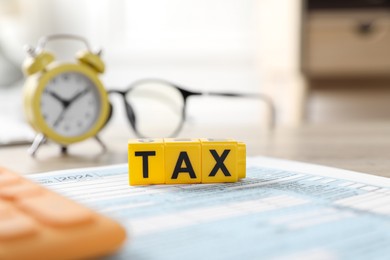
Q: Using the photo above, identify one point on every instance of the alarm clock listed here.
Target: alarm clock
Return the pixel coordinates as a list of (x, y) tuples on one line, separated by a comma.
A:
[(64, 102)]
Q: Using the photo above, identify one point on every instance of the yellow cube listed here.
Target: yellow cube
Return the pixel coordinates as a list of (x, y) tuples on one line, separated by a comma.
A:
[(182, 160), (241, 160), (146, 161), (219, 160)]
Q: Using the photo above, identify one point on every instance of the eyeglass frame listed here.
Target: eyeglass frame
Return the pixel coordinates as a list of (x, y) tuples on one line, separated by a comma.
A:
[(185, 95)]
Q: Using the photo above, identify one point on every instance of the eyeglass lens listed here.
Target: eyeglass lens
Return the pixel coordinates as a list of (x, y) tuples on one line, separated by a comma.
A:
[(158, 108)]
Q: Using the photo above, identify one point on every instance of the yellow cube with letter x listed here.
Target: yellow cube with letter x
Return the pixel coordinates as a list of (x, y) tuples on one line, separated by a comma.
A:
[(219, 160), (146, 161), (182, 160), (241, 160)]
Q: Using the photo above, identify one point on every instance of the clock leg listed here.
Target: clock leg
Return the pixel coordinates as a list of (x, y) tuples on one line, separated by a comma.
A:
[(64, 150), (38, 140), (104, 147)]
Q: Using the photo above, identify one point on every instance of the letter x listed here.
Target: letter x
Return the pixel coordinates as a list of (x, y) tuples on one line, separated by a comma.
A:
[(219, 163)]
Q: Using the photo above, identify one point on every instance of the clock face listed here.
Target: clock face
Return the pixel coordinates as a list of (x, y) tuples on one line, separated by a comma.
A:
[(70, 104)]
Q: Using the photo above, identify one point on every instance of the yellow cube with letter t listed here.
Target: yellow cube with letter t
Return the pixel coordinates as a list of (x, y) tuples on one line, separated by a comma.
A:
[(146, 161)]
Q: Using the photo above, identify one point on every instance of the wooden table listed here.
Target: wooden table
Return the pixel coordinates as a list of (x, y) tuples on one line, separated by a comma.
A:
[(359, 147)]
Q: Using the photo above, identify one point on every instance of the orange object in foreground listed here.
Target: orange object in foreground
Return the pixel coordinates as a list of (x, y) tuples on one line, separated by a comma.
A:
[(36, 223)]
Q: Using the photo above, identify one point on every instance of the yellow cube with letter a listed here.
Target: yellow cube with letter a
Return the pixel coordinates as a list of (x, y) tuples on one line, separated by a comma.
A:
[(146, 161), (182, 160), (219, 160)]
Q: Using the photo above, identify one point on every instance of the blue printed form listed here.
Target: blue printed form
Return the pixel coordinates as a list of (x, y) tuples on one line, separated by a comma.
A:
[(282, 210)]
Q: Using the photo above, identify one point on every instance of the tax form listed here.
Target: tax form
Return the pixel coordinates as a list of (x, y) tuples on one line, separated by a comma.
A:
[(282, 210)]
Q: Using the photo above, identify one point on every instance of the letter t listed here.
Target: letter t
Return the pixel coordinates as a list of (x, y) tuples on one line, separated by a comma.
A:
[(145, 161)]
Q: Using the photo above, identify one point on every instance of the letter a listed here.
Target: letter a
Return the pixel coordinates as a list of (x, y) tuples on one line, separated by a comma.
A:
[(183, 157)]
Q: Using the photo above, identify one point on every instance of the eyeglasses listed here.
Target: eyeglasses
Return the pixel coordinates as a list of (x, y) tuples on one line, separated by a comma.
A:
[(157, 107)]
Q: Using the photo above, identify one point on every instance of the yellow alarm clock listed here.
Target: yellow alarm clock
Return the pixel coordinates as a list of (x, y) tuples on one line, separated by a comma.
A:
[(64, 102)]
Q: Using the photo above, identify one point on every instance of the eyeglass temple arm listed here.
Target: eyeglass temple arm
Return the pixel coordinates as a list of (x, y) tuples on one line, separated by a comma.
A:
[(115, 91), (265, 98)]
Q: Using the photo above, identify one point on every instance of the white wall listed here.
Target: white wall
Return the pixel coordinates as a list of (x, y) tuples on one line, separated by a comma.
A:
[(203, 44), (174, 29)]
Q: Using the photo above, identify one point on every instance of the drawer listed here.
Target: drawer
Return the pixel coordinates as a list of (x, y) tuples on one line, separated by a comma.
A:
[(347, 43)]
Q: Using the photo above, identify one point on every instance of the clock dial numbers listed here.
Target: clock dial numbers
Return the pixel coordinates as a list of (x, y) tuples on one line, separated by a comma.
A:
[(70, 104)]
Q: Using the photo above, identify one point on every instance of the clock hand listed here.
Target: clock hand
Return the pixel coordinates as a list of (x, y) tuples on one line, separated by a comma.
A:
[(78, 95), (65, 103), (59, 118)]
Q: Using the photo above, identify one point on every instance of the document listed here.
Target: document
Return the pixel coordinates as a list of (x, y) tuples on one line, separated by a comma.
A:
[(281, 210)]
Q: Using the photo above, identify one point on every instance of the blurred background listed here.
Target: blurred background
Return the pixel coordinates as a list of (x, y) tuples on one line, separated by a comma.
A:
[(321, 61)]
